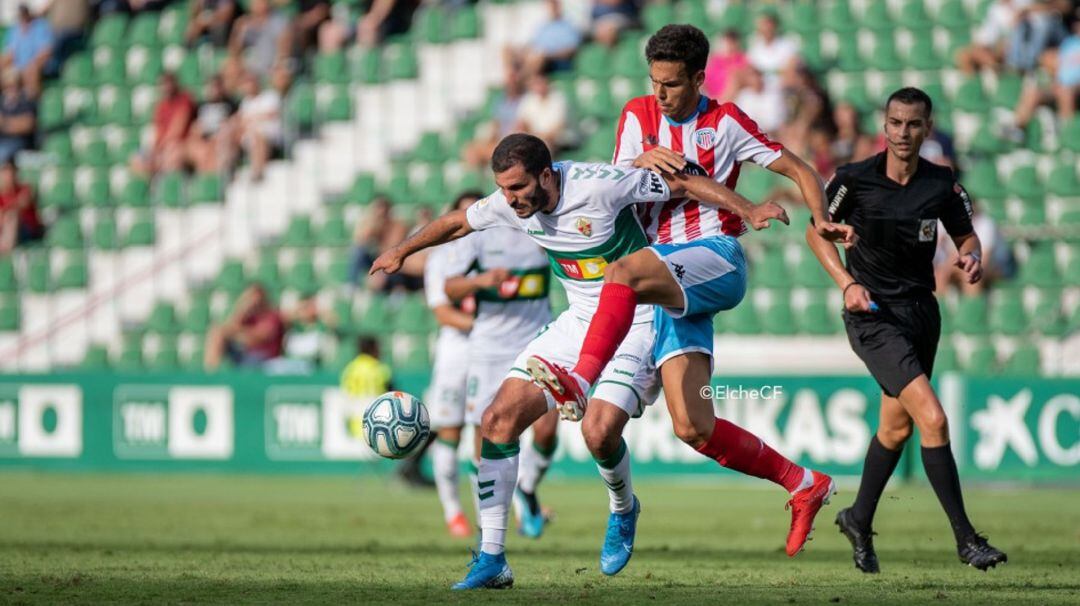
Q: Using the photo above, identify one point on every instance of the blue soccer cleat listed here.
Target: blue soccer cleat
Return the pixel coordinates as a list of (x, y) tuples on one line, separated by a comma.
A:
[(487, 572), (530, 517), (619, 541)]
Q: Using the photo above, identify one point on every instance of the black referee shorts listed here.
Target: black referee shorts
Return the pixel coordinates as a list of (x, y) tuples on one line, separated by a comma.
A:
[(899, 341)]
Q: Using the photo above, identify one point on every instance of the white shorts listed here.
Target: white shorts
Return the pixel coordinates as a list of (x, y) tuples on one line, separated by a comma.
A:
[(630, 381), (484, 379), (446, 394)]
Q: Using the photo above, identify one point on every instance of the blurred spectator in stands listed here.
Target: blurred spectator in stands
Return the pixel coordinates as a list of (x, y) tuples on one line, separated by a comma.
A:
[(552, 46), (477, 154), (211, 20), (987, 48), (252, 334), (938, 148), (1060, 92), (997, 262), (725, 67), (259, 127), (850, 144), (68, 20), (306, 333), (610, 18), (262, 38), (28, 48), (770, 52), (1039, 27), (366, 376), (18, 117), (384, 18), (19, 220), (376, 231), (311, 14), (761, 101), (544, 113), (172, 118), (808, 108), (209, 143)]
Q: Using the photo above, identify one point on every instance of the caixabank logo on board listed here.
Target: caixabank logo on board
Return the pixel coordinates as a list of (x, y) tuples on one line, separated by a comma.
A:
[(173, 422), (310, 423), (41, 421)]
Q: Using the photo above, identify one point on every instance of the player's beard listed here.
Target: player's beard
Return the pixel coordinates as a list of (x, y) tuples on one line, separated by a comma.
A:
[(537, 202)]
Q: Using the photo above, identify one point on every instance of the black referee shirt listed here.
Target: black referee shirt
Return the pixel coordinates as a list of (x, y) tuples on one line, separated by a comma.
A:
[(896, 224)]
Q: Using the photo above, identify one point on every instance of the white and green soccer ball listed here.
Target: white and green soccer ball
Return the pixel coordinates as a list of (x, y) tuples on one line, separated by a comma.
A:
[(396, 424)]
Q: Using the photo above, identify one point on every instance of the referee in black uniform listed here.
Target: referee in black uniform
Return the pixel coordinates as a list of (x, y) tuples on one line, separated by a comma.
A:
[(894, 201)]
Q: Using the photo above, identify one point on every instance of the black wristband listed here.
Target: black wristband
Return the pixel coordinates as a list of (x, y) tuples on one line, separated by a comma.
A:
[(843, 293)]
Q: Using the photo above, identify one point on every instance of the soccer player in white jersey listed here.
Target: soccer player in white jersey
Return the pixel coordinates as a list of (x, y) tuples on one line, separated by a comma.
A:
[(583, 216), (446, 394), (694, 267), (509, 277)]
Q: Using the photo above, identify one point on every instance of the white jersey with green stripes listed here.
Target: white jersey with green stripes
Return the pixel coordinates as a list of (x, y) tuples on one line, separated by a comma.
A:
[(511, 314), (593, 224)]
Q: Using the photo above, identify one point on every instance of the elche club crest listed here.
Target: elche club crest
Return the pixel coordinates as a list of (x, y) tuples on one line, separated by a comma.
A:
[(584, 226)]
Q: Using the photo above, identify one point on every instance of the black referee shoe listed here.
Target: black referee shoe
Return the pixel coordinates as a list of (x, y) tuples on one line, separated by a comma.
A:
[(862, 542), (975, 551)]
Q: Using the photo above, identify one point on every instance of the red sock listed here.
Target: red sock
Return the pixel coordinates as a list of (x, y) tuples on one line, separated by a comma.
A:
[(738, 449), (609, 327)]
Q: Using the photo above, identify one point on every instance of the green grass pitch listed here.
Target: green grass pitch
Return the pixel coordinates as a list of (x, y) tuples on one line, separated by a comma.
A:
[(95, 538)]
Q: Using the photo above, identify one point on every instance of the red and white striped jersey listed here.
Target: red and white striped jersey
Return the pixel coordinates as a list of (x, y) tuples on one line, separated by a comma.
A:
[(717, 138)]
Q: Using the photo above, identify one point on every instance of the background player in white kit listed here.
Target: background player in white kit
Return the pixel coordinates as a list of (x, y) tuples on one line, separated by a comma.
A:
[(582, 214), (509, 277), (446, 394)]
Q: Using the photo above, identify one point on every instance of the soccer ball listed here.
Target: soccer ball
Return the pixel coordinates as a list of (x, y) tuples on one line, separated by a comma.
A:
[(396, 424)]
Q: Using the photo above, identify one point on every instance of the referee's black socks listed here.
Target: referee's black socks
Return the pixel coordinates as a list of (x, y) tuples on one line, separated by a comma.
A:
[(878, 467), (940, 469)]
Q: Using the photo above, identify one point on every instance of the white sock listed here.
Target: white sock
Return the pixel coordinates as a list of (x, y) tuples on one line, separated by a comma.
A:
[(445, 468), (534, 464), (496, 478), (807, 480), (616, 474)]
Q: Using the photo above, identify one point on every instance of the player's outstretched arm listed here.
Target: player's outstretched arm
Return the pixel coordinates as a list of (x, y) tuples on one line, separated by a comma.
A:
[(856, 297), (813, 192), (450, 226), (708, 191)]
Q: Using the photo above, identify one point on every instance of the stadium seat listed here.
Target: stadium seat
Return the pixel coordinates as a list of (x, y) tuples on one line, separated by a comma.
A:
[(197, 318), (1007, 315), (953, 15), (298, 233), (206, 188), (105, 236), (1025, 362), (465, 23), (1040, 269), (96, 358), (983, 360), (109, 31), (838, 18), (9, 283), (301, 277), (65, 233), (168, 190), (231, 277), (143, 30), (781, 319), (770, 270), (162, 319), (141, 233), (946, 359), (75, 274), (412, 317), (1047, 318), (1063, 180), (802, 18), (656, 15), (9, 314), (331, 68), (374, 318), (971, 315)]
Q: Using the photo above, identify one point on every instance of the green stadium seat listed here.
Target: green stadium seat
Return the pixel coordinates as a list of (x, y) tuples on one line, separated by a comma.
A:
[(331, 68), (75, 274), (206, 188), (809, 272), (131, 356), (629, 59), (374, 318), (1063, 180), (401, 62), (802, 18), (1040, 269), (593, 61), (167, 358), (839, 18), (143, 30), (163, 319), (367, 67), (884, 56), (971, 315), (168, 189), (1025, 361), (429, 25), (780, 318), (986, 142), (143, 65), (1007, 315), (301, 277), (972, 97), (770, 270), (913, 14), (197, 318), (298, 233), (983, 360), (109, 66), (946, 359), (51, 108), (337, 272), (742, 320), (1024, 183), (231, 277), (109, 31), (136, 193), (877, 18), (953, 15), (172, 25), (9, 315), (1047, 318), (429, 148), (332, 103), (1070, 135), (96, 359), (78, 70), (58, 146), (300, 105), (90, 148), (696, 12), (65, 233), (362, 190), (417, 358), (924, 56), (465, 23), (9, 282), (656, 15), (848, 57), (334, 231), (816, 319), (412, 317), (1008, 91), (105, 236), (982, 182)]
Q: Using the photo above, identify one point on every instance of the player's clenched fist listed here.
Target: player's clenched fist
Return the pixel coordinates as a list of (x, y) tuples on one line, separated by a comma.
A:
[(761, 214), (389, 262), (661, 160)]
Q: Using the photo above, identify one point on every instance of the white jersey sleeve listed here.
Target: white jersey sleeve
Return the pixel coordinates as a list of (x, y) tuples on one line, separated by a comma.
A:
[(744, 139), (492, 211), (628, 140)]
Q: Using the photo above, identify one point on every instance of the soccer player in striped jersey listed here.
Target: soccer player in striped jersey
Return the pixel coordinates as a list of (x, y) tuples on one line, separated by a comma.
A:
[(694, 267)]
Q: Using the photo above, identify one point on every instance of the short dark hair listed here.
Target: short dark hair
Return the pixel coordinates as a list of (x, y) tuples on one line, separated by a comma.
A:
[(474, 194), (683, 43), (910, 95), (528, 151), (367, 344)]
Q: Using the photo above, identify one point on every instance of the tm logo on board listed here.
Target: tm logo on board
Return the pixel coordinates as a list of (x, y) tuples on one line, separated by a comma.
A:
[(41, 421), (172, 422)]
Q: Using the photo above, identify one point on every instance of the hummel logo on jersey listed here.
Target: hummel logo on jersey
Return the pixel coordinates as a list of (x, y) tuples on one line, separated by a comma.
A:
[(535, 232), (680, 271), (584, 226), (650, 182)]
